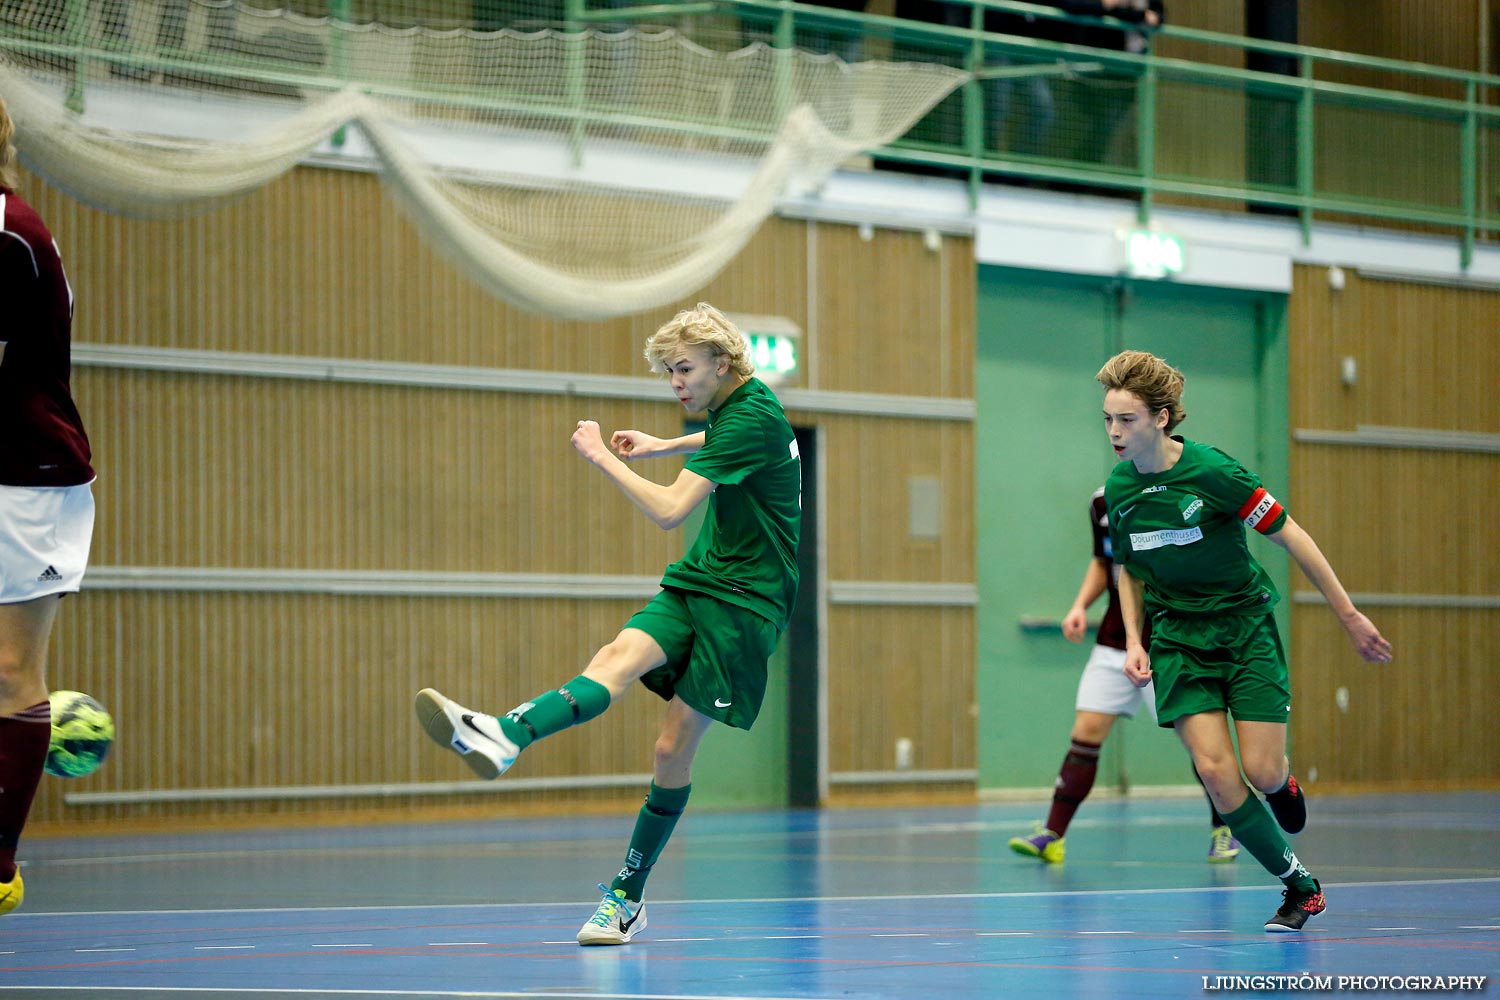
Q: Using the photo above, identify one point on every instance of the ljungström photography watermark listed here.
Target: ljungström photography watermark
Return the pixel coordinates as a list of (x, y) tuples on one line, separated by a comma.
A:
[(1339, 984)]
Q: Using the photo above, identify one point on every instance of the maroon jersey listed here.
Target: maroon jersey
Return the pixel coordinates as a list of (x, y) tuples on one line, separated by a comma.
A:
[(1112, 626), (42, 441)]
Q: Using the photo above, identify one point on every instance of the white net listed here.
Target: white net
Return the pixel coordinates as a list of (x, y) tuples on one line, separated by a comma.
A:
[(583, 174)]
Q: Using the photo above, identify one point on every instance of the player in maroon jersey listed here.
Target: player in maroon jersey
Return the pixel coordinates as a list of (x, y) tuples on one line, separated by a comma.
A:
[(1104, 695), (46, 501)]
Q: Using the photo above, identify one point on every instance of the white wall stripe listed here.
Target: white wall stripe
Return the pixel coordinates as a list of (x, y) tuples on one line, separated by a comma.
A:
[(901, 777), (384, 583), (248, 365), (959, 595), (1387, 600), (419, 583), (1376, 436), (284, 792)]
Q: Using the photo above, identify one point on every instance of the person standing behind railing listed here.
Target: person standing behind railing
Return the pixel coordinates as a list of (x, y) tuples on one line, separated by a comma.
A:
[(1093, 106), (1019, 107), (1025, 96)]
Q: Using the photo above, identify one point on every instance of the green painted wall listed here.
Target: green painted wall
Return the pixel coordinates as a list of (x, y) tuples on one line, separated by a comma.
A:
[(739, 769), (1040, 453)]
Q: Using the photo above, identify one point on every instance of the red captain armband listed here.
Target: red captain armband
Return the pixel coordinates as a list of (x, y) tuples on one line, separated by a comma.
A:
[(1260, 511)]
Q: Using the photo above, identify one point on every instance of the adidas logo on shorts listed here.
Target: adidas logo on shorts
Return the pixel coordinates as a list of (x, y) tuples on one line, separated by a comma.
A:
[(49, 575)]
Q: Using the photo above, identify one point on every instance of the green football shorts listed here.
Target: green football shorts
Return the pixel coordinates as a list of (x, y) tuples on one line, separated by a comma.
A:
[(1228, 662), (716, 654)]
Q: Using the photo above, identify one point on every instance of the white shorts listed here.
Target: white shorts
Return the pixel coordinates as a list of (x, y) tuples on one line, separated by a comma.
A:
[(45, 532), (1105, 689)]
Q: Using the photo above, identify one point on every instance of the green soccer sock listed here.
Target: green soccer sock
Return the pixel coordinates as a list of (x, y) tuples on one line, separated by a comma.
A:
[(577, 701), (653, 826), (1253, 827)]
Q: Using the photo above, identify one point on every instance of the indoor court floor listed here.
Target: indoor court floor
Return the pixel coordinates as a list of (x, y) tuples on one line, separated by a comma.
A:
[(849, 903)]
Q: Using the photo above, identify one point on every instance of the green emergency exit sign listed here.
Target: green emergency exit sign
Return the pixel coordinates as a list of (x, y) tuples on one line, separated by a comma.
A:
[(1152, 254)]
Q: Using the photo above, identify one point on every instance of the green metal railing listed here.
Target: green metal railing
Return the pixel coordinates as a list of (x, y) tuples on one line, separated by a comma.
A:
[(1343, 137), (1370, 174)]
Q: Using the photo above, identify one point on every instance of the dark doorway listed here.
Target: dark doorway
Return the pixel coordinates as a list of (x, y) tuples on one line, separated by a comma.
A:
[(804, 642)]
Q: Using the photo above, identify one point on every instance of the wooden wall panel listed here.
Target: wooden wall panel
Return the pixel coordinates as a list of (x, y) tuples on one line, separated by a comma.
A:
[(1227, 17), (1397, 522), (869, 465), (1423, 721), (265, 690), (203, 470), (1441, 32), (1424, 355), (893, 315), (1400, 521), (897, 672)]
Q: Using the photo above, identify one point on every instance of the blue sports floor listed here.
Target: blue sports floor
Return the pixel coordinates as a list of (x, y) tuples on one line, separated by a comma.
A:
[(863, 903)]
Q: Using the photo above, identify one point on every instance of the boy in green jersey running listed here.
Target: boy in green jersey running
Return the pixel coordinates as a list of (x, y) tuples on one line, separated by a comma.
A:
[(703, 642), (1177, 514)]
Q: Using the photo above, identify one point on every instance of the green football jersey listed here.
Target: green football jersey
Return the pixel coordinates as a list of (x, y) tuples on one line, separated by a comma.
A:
[(746, 551), (1182, 533)]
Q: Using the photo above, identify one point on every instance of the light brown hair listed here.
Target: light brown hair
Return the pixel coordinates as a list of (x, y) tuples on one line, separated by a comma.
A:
[(705, 326), (1148, 377)]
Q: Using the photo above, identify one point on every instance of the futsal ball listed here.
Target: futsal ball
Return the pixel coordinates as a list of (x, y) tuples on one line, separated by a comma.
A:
[(82, 732)]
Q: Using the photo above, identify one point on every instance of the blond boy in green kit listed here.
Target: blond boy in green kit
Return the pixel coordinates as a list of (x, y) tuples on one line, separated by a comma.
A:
[(703, 642), (1178, 512)]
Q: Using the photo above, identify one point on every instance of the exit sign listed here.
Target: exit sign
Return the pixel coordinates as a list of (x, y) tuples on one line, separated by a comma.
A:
[(1152, 254), (774, 346), (773, 353)]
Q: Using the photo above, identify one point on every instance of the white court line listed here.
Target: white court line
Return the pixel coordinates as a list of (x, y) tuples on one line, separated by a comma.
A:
[(1383, 821), (1395, 928), (1479, 927), (93, 951), (1106, 932), (844, 833), (658, 903), (1004, 934), (898, 935)]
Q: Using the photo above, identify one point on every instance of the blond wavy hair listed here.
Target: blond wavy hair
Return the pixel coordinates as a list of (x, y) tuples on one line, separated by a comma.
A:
[(704, 326), (1148, 377), (8, 176)]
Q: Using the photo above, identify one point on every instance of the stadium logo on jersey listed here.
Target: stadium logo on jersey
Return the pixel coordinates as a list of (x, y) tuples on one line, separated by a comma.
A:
[(1153, 489), (1191, 510), (1145, 541)]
